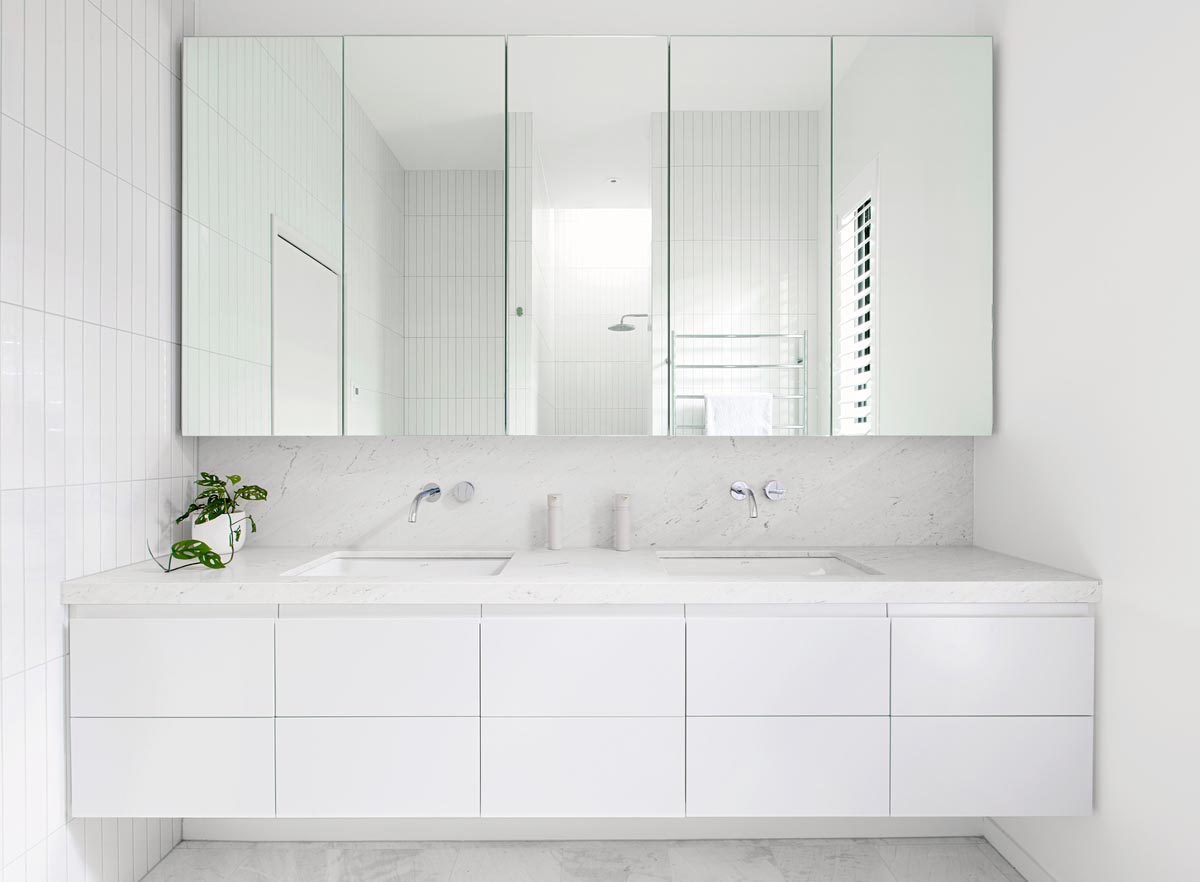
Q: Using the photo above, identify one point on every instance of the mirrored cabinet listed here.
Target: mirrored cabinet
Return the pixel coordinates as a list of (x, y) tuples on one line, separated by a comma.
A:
[(560, 235)]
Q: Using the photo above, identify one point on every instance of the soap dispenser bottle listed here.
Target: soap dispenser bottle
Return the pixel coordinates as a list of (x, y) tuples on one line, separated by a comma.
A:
[(622, 527), (554, 521)]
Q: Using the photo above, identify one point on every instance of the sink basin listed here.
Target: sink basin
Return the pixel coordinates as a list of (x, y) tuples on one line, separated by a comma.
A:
[(765, 566), (409, 567)]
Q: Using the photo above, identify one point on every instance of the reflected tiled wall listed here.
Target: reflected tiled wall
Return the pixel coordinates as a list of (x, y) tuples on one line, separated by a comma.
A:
[(91, 462), (264, 123), (744, 255), (454, 302)]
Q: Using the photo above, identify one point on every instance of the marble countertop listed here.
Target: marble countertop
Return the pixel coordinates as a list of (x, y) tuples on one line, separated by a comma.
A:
[(896, 574)]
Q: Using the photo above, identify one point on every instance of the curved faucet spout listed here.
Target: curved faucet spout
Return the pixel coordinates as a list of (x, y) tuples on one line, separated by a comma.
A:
[(432, 492), (740, 490)]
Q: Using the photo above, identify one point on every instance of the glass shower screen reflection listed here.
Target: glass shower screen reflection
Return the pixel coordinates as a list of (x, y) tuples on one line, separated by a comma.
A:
[(749, 276), (586, 236)]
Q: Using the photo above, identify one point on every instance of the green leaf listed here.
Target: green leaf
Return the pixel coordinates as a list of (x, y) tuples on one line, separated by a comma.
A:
[(211, 559), (250, 491), (190, 549), (234, 479)]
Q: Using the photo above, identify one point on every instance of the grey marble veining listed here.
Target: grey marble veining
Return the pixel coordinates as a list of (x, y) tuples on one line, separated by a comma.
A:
[(841, 491), (798, 860)]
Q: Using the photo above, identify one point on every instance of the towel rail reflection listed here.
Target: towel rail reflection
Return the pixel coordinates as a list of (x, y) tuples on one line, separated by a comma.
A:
[(797, 364)]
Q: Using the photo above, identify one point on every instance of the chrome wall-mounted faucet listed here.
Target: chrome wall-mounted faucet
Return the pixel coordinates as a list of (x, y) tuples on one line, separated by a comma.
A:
[(740, 490), (432, 492)]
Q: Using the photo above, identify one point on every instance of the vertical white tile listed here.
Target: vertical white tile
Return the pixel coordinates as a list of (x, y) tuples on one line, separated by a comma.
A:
[(56, 70), (108, 249), (73, 231), (12, 585), (12, 58), (110, 839), (55, 227), (12, 412), (12, 764), (92, 222), (74, 60), (12, 207), (92, 86), (33, 391), (34, 221), (124, 106), (108, 95), (34, 576), (35, 66), (77, 851), (35, 755)]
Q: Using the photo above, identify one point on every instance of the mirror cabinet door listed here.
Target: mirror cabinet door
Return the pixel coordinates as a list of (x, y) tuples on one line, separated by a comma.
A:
[(424, 235), (586, 232), (749, 278), (912, 190), (473, 235), (262, 236)]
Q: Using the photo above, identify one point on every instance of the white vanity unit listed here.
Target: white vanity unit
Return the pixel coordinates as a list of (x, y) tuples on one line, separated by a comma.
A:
[(584, 684)]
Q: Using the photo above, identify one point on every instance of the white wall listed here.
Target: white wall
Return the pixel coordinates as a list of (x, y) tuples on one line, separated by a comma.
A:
[(91, 462), (1094, 467), (374, 278), (916, 118)]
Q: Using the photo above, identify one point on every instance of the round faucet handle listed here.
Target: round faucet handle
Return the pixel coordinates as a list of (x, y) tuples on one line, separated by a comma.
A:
[(774, 490), (464, 491)]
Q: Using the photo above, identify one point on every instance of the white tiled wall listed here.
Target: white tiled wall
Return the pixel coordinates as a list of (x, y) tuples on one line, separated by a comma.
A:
[(743, 252), (264, 122), (374, 279), (92, 465), (454, 302)]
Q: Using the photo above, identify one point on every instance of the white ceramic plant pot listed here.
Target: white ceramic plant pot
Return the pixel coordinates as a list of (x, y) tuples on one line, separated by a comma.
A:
[(216, 533)]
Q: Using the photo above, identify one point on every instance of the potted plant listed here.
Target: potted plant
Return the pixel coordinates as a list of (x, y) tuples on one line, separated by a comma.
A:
[(218, 520)]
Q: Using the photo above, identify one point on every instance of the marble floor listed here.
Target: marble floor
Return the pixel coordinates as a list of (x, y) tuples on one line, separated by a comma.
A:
[(774, 860)]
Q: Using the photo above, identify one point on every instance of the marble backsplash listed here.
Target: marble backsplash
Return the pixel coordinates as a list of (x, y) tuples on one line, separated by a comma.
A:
[(846, 491)]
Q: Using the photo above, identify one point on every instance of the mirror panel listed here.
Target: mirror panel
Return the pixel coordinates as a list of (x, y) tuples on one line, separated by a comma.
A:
[(586, 195), (499, 241), (749, 249), (912, 168), (262, 235), (424, 235)]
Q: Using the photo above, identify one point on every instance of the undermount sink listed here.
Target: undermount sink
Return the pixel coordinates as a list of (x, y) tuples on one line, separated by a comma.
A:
[(767, 565), (377, 565)]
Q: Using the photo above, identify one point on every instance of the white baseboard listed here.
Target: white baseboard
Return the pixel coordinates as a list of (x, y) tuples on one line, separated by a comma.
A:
[(1011, 851), (499, 829)]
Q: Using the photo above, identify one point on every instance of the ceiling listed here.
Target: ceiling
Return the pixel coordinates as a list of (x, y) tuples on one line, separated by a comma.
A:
[(591, 100), (438, 102)]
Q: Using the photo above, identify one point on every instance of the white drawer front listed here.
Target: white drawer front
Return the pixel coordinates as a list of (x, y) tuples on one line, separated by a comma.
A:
[(172, 668), (377, 667), (582, 768), (991, 766), (1000, 667), (194, 768), (561, 667), (787, 766), (378, 768), (787, 666)]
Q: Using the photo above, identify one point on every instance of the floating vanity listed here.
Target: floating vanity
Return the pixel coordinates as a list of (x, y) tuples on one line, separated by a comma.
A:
[(305, 683)]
